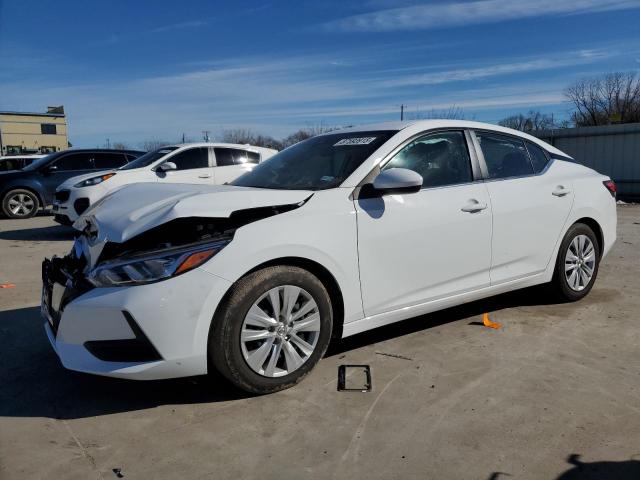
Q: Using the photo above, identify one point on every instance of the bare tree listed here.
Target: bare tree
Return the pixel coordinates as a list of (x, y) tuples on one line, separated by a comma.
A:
[(452, 113), (305, 133), (120, 146), (611, 98), (529, 122), (245, 136), (153, 144)]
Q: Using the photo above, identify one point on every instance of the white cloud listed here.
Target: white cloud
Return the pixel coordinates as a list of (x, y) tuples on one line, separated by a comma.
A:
[(429, 16), (566, 59)]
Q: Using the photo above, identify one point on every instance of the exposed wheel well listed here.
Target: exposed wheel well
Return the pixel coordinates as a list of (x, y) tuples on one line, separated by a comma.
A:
[(327, 279), (595, 226)]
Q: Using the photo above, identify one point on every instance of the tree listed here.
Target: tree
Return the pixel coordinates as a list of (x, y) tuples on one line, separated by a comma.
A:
[(452, 113), (153, 144), (120, 146), (245, 136), (529, 122), (305, 133), (610, 98)]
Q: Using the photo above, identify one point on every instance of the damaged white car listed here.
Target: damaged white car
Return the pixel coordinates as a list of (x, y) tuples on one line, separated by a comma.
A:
[(339, 234)]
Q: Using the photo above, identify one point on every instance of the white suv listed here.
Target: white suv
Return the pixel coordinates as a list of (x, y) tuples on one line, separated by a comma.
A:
[(201, 163)]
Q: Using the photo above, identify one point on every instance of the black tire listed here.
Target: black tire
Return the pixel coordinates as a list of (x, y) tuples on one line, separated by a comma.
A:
[(560, 284), (225, 351), (29, 201)]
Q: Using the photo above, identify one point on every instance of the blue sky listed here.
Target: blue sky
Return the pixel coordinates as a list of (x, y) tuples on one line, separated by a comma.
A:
[(135, 70)]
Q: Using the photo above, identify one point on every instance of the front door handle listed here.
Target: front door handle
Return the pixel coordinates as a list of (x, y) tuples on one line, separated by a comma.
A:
[(204, 176), (474, 206), (561, 191)]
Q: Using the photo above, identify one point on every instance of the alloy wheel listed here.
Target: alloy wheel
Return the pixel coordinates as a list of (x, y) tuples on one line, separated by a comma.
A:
[(21, 204), (579, 262), (280, 331)]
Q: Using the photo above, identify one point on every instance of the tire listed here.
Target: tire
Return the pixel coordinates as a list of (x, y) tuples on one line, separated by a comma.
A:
[(568, 283), (238, 340), (20, 203)]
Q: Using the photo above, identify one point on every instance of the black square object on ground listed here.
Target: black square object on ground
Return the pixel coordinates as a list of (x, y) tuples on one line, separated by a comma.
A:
[(354, 378)]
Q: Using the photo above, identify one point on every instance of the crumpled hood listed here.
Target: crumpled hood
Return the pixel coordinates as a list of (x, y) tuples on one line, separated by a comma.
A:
[(133, 209), (73, 180)]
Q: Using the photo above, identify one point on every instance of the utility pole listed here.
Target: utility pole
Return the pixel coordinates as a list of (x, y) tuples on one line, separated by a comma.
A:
[(402, 112), (182, 137), (108, 143), (205, 135)]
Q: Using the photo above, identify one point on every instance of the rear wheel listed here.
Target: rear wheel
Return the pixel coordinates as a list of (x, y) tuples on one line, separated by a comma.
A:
[(272, 329), (20, 203), (577, 263)]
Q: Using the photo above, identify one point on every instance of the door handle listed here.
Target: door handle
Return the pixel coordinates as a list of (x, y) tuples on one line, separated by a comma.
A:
[(561, 191), (474, 206), (204, 176)]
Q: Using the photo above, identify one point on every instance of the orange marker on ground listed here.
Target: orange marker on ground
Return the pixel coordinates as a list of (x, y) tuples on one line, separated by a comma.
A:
[(486, 321), (7, 285)]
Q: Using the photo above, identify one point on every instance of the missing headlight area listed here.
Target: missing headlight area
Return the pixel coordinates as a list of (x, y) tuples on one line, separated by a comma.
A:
[(191, 231)]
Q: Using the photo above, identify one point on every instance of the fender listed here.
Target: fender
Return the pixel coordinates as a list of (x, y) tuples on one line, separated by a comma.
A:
[(28, 184)]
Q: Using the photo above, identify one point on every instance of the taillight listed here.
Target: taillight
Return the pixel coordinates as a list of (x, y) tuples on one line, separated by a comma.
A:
[(611, 186)]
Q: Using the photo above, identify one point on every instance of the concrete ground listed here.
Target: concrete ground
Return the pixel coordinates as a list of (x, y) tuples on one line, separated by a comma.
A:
[(554, 394)]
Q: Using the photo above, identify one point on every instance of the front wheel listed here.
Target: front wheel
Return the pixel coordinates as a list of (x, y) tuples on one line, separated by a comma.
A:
[(577, 263), (20, 203), (272, 329)]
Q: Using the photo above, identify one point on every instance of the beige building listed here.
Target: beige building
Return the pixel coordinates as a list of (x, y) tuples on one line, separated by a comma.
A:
[(24, 132)]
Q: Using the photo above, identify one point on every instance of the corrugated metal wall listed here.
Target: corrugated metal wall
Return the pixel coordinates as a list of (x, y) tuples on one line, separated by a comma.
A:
[(613, 150)]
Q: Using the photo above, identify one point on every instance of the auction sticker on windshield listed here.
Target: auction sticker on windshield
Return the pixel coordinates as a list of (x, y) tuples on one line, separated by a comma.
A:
[(355, 141)]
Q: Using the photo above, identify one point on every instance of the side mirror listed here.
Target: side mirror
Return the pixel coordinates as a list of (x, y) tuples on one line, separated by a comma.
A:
[(166, 166), (49, 169), (397, 180)]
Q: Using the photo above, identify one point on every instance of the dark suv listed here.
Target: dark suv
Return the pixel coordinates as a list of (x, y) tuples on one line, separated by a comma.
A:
[(24, 191)]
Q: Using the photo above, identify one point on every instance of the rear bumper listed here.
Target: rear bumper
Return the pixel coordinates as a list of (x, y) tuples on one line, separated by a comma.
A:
[(143, 332)]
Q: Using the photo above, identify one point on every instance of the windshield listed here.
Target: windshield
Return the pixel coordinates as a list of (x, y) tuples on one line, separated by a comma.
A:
[(148, 158), (39, 162), (318, 163)]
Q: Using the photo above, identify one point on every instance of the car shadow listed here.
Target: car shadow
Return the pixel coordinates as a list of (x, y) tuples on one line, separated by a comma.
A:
[(40, 234), (519, 298), (34, 383), (605, 470)]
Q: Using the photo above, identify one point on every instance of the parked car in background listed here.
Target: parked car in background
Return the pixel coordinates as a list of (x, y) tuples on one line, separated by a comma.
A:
[(336, 235), (203, 163), (17, 162), (24, 191)]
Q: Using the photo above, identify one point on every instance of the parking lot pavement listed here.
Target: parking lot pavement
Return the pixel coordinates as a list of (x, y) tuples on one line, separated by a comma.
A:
[(555, 393)]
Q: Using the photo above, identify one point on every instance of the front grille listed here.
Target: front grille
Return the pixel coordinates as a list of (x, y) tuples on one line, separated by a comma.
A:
[(62, 195), (81, 205)]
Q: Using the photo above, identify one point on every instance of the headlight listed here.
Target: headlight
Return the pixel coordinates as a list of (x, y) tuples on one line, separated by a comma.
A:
[(94, 181), (147, 268)]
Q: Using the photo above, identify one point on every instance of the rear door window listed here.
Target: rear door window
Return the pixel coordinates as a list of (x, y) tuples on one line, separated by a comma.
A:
[(191, 158), (505, 156), (104, 160), (234, 156), (74, 161)]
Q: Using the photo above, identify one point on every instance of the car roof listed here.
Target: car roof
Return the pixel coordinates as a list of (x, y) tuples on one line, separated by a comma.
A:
[(445, 123)]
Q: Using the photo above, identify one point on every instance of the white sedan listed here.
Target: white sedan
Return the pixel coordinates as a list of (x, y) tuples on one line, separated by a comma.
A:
[(339, 234), (201, 163)]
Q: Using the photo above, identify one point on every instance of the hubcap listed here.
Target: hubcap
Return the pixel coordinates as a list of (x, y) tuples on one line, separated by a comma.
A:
[(280, 331), (579, 263), (21, 204)]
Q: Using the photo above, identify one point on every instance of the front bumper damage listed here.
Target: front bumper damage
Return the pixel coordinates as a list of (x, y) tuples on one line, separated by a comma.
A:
[(145, 332)]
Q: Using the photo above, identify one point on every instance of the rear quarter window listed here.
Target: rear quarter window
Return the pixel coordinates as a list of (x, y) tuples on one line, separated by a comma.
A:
[(539, 159)]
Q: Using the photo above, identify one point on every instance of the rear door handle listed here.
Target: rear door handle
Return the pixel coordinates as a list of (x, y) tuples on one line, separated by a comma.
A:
[(204, 176), (561, 191), (474, 206)]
